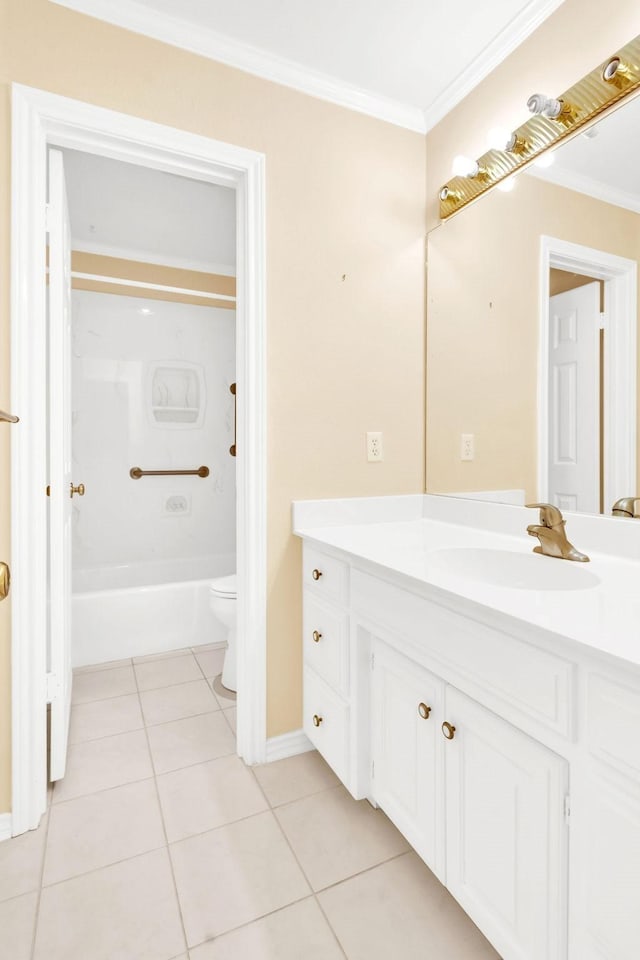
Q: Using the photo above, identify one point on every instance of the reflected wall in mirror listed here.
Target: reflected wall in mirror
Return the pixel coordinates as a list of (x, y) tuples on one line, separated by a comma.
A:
[(532, 325)]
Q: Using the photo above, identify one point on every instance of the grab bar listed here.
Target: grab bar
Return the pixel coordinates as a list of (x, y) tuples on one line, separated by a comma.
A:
[(232, 448), (136, 472), (8, 417)]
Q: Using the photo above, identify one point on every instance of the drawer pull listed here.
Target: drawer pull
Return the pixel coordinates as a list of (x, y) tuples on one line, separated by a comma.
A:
[(316, 574), (448, 731), (317, 636), (424, 711), (316, 720)]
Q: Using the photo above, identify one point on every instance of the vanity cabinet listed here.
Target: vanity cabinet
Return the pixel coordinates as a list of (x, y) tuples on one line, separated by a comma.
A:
[(481, 802)]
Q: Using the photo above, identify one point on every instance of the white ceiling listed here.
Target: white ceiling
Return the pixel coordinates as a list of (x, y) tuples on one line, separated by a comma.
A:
[(121, 209), (605, 166), (407, 61)]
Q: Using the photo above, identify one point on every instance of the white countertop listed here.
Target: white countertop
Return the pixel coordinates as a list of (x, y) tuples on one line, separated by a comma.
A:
[(604, 616)]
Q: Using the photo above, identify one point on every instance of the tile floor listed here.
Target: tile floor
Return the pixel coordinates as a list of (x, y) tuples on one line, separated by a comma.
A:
[(160, 844)]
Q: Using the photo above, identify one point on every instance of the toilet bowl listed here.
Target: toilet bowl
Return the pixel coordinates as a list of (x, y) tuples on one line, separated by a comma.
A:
[(222, 602)]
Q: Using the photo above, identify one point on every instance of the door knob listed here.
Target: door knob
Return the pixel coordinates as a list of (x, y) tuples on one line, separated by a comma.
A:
[(448, 731), (316, 720), (5, 580), (317, 636), (424, 711), (79, 490), (316, 574)]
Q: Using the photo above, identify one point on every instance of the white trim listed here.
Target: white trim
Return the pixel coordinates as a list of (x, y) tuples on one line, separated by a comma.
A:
[(40, 118), (287, 745), (159, 259), (522, 26), (620, 365), (5, 826), (588, 186), (216, 46), (145, 285)]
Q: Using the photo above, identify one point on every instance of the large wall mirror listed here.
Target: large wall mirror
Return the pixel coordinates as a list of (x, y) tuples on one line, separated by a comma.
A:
[(532, 331)]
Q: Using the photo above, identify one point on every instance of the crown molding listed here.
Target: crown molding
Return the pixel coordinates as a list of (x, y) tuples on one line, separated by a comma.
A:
[(588, 186), (522, 26), (215, 46)]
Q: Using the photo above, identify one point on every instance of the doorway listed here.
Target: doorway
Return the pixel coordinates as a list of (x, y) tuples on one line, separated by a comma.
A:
[(586, 423), (40, 121)]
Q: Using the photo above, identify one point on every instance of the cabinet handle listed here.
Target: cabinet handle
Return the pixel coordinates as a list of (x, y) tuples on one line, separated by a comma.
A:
[(316, 574), (448, 731), (316, 636), (316, 720), (79, 489), (424, 711)]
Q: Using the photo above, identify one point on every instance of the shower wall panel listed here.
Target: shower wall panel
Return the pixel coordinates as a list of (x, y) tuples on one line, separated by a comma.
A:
[(151, 389)]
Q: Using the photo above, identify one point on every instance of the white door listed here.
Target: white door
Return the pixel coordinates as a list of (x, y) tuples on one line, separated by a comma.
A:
[(408, 779), (506, 836), (60, 502), (574, 399)]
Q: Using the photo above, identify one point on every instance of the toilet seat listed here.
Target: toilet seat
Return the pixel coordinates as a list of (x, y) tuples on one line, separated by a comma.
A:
[(224, 586)]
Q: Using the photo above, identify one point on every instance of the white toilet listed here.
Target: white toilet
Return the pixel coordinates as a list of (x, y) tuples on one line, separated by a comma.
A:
[(223, 606)]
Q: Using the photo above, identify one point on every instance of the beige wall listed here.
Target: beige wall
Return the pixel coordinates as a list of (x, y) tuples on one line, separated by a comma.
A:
[(345, 196), (483, 321)]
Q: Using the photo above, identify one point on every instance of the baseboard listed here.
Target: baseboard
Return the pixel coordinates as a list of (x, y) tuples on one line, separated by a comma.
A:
[(287, 745), (5, 826)]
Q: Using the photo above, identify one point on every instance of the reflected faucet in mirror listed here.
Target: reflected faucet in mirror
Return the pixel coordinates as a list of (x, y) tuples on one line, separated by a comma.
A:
[(551, 534), (625, 507)]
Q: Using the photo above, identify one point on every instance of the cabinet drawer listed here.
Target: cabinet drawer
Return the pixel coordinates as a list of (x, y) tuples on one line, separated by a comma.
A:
[(325, 576), (326, 642), (613, 724), (331, 736)]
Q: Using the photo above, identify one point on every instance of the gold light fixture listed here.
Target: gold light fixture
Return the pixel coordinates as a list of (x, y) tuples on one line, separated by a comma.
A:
[(554, 120)]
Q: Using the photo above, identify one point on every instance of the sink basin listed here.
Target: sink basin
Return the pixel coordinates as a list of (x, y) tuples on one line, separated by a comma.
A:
[(517, 571)]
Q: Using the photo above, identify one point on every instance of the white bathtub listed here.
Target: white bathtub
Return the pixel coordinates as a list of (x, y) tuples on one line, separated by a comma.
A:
[(136, 609)]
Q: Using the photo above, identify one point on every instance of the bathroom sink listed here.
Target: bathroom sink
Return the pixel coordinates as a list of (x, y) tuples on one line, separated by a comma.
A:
[(517, 571)]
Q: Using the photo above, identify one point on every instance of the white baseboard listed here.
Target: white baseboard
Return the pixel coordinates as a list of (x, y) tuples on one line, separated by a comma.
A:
[(5, 826), (287, 745)]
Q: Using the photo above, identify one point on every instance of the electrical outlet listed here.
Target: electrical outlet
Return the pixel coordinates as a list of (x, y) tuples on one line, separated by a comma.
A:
[(467, 446), (374, 446)]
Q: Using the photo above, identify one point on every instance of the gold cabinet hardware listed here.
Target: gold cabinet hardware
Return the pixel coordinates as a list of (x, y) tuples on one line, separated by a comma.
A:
[(316, 574), (448, 730), (5, 580), (8, 417), (232, 448), (136, 472), (316, 720), (424, 711), (317, 636), (79, 489), (48, 490)]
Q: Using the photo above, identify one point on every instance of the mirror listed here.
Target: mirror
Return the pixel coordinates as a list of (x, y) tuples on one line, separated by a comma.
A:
[(532, 317)]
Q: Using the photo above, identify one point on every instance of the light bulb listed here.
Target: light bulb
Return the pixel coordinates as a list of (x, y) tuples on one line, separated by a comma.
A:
[(545, 160), (506, 186), (464, 167), (499, 138)]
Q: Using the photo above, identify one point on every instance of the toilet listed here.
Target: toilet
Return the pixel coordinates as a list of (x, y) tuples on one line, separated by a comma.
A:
[(222, 603)]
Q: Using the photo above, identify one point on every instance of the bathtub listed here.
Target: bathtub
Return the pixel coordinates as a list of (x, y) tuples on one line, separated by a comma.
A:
[(130, 610)]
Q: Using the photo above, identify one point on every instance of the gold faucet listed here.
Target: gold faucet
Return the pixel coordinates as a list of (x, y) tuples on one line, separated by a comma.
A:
[(551, 534), (625, 507)]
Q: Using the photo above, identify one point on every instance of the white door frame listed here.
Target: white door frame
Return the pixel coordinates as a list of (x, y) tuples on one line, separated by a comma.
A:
[(39, 119), (620, 373)]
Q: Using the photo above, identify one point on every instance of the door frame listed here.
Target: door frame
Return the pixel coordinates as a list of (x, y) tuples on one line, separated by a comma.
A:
[(40, 119), (620, 360)]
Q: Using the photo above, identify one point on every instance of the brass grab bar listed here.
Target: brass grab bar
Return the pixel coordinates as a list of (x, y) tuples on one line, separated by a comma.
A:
[(232, 448), (136, 472), (8, 417)]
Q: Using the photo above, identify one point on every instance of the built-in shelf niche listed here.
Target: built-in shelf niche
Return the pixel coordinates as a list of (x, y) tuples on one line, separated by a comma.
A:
[(177, 394)]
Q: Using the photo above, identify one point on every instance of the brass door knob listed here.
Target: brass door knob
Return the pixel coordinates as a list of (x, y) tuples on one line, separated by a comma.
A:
[(317, 636), (5, 580), (316, 720), (448, 731), (424, 711), (316, 574), (79, 490)]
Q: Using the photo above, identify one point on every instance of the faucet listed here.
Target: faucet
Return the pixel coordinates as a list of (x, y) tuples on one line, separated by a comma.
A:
[(551, 534), (625, 507)]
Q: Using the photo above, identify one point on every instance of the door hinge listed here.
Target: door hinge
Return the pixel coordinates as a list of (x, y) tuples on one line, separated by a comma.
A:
[(373, 768), (567, 808), (53, 687), (603, 321)]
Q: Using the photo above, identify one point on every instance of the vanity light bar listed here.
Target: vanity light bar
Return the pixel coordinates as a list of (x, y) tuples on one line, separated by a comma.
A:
[(606, 86)]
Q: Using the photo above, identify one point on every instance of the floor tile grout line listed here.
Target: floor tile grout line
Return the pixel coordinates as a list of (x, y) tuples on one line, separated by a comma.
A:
[(164, 831), (36, 919), (94, 793), (105, 866), (160, 723)]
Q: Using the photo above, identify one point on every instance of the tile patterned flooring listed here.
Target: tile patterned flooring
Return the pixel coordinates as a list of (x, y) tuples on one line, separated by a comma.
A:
[(160, 844)]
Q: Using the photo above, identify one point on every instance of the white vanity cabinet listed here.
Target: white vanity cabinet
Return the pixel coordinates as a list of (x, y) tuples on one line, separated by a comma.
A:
[(481, 802)]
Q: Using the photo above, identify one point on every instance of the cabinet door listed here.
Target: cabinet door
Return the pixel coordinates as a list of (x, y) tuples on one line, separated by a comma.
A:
[(506, 832), (408, 751)]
